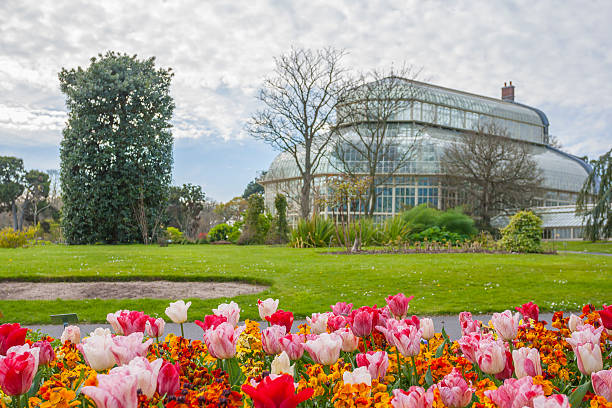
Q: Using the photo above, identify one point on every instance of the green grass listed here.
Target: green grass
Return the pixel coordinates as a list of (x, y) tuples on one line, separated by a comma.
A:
[(582, 246), (306, 280)]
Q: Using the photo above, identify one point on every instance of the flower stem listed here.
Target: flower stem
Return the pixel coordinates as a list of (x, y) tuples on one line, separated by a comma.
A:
[(399, 367), (182, 332), (416, 375)]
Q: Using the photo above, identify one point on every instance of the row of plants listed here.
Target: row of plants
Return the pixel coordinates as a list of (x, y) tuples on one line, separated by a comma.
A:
[(346, 357)]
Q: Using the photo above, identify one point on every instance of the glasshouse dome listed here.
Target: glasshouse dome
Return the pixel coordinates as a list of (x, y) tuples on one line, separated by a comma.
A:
[(436, 118)]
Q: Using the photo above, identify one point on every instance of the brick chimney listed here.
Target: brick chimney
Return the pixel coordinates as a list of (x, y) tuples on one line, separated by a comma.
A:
[(508, 92)]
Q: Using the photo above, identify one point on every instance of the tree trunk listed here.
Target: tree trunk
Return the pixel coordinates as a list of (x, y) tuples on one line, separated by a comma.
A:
[(305, 197), (14, 211)]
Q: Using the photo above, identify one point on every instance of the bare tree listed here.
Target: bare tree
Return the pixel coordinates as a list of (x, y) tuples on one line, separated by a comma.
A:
[(299, 103), (369, 141), (496, 174)]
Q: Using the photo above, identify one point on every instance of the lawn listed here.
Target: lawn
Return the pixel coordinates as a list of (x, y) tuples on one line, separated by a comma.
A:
[(582, 246), (307, 280)]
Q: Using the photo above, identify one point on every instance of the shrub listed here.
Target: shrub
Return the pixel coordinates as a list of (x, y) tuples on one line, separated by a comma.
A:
[(456, 221), (523, 233), (202, 238), (279, 228), (175, 235), (9, 238), (437, 234), (369, 233), (420, 218), (314, 232), (256, 224), (394, 230), (221, 232)]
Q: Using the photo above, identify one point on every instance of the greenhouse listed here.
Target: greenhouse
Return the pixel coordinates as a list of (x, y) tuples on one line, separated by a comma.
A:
[(435, 118)]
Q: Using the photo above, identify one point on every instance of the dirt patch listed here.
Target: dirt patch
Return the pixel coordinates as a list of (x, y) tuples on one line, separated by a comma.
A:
[(124, 290)]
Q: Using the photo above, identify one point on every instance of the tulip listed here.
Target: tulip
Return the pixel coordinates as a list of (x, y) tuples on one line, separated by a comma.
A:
[(357, 376), (126, 348), (468, 344), (281, 318), (168, 379), (71, 334), (221, 340), (515, 393), (270, 339), (574, 323), (491, 356), (96, 350), (113, 320), (318, 323), (342, 308), (350, 342), (407, 340), (336, 322), (231, 311), (267, 307), (45, 354), (398, 304), (586, 334), (526, 362), (508, 367), (454, 390), (325, 349), (468, 325), (589, 358), (177, 311), (602, 383), (155, 327), (529, 311), (363, 320), (606, 317), (293, 345), (415, 397), (132, 322), (11, 335), (146, 373), (17, 371), (377, 363), (553, 401), (282, 365), (117, 390), (427, 327), (506, 325), (211, 321), (278, 392), (391, 326)]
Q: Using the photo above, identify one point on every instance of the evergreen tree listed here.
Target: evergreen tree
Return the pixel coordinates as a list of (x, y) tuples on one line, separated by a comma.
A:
[(595, 199)]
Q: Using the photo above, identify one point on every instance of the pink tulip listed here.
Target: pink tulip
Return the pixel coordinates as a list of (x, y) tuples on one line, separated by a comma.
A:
[(415, 397), (267, 307), (335, 322), (575, 323), (270, 339), (293, 345), (407, 340), (96, 350), (117, 390), (17, 370), (469, 345), (491, 356), (113, 320), (529, 311), (132, 322), (72, 334), (427, 327), (506, 325), (398, 304), (589, 358), (515, 393), (377, 363), (508, 367), (553, 401), (168, 379), (526, 362), (454, 390), (325, 349), (391, 326), (45, 354), (155, 327), (221, 341), (146, 373), (350, 342), (585, 334), (342, 308), (318, 322), (126, 348), (468, 325), (210, 322), (602, 383), (363, 320), (231, 311)]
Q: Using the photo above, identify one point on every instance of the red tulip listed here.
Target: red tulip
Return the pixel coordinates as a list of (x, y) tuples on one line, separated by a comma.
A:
[(335, 322), (17, 372), (11, 335), (606, 316), (398, 304), (363, 320), (211, 321), (276, 393), (168, 379), (281, 318), (132, 322), (529, 310)]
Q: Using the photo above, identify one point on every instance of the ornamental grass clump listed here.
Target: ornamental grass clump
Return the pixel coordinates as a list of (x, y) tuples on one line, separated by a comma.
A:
[(523, 233)]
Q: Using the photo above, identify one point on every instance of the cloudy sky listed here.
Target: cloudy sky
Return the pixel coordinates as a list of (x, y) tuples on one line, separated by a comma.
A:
[(558, 54)]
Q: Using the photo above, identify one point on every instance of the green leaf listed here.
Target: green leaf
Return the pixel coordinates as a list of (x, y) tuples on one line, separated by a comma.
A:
[(576, 397), (428, 377), (440, 350)]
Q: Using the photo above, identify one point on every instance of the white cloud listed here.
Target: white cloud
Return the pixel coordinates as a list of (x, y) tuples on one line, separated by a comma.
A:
[(558, 55)]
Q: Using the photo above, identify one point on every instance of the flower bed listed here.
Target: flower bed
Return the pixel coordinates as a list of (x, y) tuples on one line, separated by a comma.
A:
[(344, 358)]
